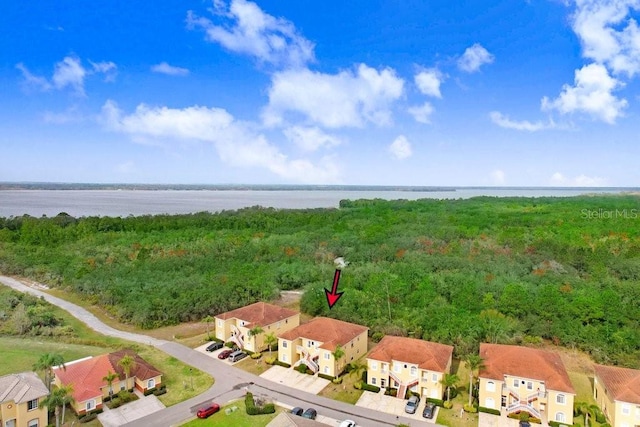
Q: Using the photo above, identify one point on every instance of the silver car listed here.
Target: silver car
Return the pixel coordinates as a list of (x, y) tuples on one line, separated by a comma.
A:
[(412, 405)]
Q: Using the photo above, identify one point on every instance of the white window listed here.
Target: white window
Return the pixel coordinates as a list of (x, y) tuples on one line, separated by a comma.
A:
[(32, 404), (396, 367), (637, 411), (278, 325), (10, 423), (33, 423), (489, 403), (560, 399), (311, 344), (374, 366), (151, 383), (384, 367), (626, 409), (326, 369), (220, 323), (327, 355), (560, 417), (434, 378), (373, 381), (414, 371), (284, 357), (284, 344), (516, 383), (91, 404), (491, 386), (529, 385)]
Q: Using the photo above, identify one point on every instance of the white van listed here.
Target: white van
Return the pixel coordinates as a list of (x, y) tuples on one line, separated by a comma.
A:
[(237, 355)]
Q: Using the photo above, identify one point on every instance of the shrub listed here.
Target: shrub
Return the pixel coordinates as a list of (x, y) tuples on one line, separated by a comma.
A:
[(337, 380), (490, 411), (470, 408), (370, 387), (377, 336), (256, 356), (252, 409), (283, 364), (149, 391), (88, 417), (437, 402), (391, 392), (270, 360), (358, 385), (447, 405), (160, 392), (326, 377), (229, 344), (302, 368)]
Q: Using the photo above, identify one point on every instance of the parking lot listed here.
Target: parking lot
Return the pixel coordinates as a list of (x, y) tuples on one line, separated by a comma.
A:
[(292, 378), (393, 405), (203, 349)]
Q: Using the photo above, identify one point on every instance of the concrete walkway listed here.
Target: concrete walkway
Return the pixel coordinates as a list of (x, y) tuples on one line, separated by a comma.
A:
[(131, 411), (230, 383)]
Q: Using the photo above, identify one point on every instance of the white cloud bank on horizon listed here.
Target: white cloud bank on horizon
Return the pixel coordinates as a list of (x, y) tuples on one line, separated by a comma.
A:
[(400, 148), (236, 142), (558, 179), (247, 29), (474, 57), (170, 70)]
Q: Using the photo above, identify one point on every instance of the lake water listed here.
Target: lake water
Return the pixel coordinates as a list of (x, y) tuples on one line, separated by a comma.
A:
[(79, 203)]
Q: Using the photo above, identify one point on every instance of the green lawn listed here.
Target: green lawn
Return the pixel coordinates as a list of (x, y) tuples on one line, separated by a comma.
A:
[(237, 418)]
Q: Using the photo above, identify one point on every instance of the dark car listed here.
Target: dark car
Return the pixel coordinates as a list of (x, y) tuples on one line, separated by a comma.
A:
[(208, 411), (429, 410), (215, 346), (297, 411), (224, 354), (524, 423), (310, 413), (412, 405)]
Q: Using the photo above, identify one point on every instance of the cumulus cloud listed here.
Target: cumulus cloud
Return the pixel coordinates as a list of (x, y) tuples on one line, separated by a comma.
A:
[(591, 94), (107, 68), (247, 29), (310, 138), (32, 81), (164, 68), (498, 177), (346, 99), (474, 57), (608, 34), (505, 122), (236, 142), (69, 72), (422, 113), (428, 82), (400, 148), (558, 179)]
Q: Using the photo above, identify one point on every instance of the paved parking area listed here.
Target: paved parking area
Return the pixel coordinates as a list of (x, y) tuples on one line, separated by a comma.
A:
[(393, 405), (292, 378), (130, 411), (203, 349), (488, 420)]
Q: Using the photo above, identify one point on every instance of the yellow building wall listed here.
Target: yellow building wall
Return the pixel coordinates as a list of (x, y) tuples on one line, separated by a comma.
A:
[(257, 342), (490, 393), (427, 385), (553, 407), (81, 407), (22, 415), (142, 384), (288, 354)]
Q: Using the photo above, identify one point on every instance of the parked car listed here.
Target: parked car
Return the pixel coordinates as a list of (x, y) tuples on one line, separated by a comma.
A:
[(524, 423), (348, 423), (412, 405), (237, 355), (224, 354), (297, 411), (215, 346), (310, 414), (429, 410), (208, 411)]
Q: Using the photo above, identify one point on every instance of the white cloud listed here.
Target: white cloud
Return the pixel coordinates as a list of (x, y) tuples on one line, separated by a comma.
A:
[(400, 148), (422, 113), (505, 122), (237, 143), (608, 34), (33, 81), (498, 177), (558, 179), (108, 68), (591, 94), (249, 30), (69, 72), (346, 99), (164, 68), (428, 82), (310, 138), (474, 57)]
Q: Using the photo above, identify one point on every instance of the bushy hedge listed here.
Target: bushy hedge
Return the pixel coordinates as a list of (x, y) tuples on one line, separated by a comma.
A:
[(326, 377), (283, 364), (252, 409), (437, 402), (488, 410), (370, 387)]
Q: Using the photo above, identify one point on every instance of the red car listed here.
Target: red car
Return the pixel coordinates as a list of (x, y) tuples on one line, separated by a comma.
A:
[(208, 411), (224, 354)]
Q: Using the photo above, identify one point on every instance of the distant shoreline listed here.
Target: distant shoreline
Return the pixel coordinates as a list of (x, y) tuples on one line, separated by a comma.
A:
[(277, 187)]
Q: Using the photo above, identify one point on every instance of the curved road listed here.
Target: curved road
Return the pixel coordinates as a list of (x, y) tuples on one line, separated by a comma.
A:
[(230, 383)]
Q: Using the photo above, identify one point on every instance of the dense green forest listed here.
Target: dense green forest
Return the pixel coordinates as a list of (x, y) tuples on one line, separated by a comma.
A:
[(489, 269)]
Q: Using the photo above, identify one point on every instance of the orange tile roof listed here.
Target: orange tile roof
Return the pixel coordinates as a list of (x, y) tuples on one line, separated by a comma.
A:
[(500, 360), (142, 369), (427, 355), (258, 314), (330, 332), (621, 383), (85, 376)]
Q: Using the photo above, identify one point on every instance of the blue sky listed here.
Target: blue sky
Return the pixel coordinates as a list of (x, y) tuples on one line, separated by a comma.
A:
[(475, 93)]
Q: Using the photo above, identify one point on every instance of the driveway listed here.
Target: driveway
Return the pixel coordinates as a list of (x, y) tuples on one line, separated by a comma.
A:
[(130, 411), (294, 379), (393, 405)]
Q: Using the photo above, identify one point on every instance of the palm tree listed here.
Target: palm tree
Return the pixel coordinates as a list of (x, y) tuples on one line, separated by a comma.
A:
[(46, 362), (109, 379), (270, 339), (127, 363), (67, 398), (338, 354), (587, 410), (208, 320), (254, 332), (356, 368), (474, 363), (449, 380), (58, 398)]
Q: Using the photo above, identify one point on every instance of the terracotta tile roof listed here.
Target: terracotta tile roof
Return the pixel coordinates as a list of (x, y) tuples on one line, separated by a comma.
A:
[(142, 369), (85, 376), (258, 314), (330, 332), (622, 384), (500, 360), (427, 355), (285, 419), (22, 387)]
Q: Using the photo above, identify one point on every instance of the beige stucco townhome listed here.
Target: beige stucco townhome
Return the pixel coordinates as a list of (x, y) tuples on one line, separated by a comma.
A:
[(617, 392), (21, 397)]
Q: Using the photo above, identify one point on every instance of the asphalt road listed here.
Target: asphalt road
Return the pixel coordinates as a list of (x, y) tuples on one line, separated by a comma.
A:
[(230, 383)]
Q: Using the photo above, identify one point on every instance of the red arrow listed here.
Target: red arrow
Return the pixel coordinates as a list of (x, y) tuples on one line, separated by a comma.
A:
[(333, 296)]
